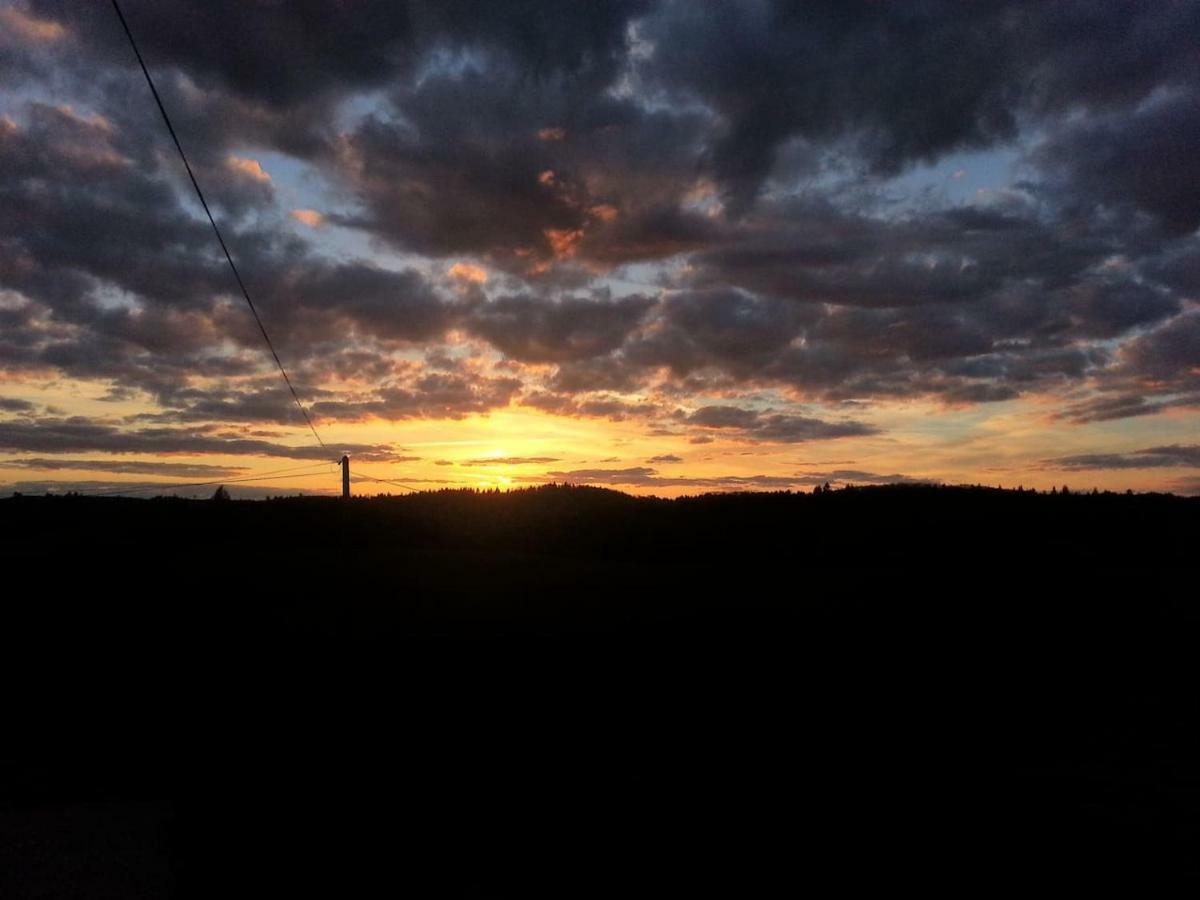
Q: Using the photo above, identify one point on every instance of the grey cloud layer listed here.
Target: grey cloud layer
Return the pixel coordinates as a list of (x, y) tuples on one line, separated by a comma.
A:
[(751, 144), (78, 434), (129, 467), (1173, 456)]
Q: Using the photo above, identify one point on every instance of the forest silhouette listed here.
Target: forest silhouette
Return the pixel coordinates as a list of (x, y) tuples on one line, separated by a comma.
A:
[(569, 690)]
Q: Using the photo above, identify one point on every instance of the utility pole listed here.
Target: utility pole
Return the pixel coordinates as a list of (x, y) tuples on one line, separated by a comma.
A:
[(345, 477)]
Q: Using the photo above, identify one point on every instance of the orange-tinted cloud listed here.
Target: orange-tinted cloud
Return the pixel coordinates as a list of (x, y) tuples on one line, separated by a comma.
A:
[(604, 212), (468, 272), (551, 134), (564, 241), (309, 217), (29, 27), (251, 168)]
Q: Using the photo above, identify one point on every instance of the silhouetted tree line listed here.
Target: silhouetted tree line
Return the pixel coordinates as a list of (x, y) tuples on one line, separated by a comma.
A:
[(866, 525)]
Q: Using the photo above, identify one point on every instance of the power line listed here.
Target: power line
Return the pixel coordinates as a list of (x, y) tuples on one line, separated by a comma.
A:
[(200, 194), (169, 485), (407, 487)]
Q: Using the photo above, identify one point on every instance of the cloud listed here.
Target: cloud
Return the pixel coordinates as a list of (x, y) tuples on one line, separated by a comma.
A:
[(760, 173), (728, 328), (31, 28), (531, 329), (130, 467), (1144, 158), (753, 425), (791, 429), (594, 406), (1125, 406), (1170, 353), (438, 396), (1159, 370), (901, 84), (248, 168), (469, 273), (724, 417), (612, 372), (1172, 456), (79, 434), (309, 217)]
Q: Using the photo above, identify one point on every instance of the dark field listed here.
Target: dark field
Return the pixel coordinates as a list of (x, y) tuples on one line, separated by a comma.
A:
[(569, 691)]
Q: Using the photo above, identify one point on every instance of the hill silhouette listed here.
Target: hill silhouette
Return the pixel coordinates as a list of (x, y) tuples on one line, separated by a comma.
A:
[(568, 690)]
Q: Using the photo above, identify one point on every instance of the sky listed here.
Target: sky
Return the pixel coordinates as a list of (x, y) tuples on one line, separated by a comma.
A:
[(665, 247)]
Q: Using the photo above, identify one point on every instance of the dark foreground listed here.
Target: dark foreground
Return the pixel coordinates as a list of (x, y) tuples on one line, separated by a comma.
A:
[(571, 692)]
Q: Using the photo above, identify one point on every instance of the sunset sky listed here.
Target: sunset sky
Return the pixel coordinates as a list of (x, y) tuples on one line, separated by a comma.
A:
[(667, 247)]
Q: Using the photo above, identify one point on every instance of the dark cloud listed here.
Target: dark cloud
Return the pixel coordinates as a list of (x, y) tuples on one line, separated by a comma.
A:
[(749, 147), (604, 373), (1156, 371), (724, 417), (532, 329), (727, 328), (277, 54), (665, 458), (436, 395), (905, 82), (438, 191), (478, 157), (1109, 308), (280, 54), (1125, 406), (970, 305), (792, 429), (1177, 267), (814, 250), (122, 282), (638, 232), (76, 214), (1173, 456), (1144, 158), (595, 406), (753, 425), (128, 467), (1170, 353), (78, 434), (363, 299)]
